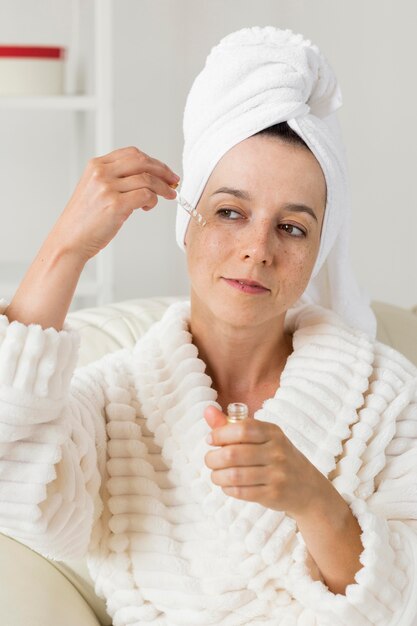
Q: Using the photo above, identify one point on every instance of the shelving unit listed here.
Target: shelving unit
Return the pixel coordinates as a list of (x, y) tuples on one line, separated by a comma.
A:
[(96, 282), (57, 103)]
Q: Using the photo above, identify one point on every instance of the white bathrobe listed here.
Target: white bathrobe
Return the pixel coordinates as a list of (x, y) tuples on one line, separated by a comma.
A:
[(108, 462)]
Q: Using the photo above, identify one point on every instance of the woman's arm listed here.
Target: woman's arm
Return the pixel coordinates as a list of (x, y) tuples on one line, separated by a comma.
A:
[(110, 189), (52, 423), (383, 590), (332, 536), (46, 291), (284, 479)]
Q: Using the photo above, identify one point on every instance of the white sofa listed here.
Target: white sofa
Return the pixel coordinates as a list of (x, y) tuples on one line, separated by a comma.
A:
[(38, 592)]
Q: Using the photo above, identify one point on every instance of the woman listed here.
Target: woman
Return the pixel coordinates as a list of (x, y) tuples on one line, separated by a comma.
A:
[(305, 513)]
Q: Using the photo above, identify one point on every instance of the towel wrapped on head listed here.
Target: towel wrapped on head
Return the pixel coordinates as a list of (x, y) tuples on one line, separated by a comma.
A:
[(257, 77)]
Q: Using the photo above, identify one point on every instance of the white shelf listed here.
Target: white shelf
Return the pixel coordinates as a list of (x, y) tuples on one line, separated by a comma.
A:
[(98, 284), (15, 271), (65, 103)]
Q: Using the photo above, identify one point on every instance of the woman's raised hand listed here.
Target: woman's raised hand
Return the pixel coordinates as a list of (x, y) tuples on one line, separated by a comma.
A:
[(110, 189)]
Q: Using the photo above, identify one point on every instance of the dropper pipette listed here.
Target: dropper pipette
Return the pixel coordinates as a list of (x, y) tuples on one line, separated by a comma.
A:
[(193, 212), (187, 207)]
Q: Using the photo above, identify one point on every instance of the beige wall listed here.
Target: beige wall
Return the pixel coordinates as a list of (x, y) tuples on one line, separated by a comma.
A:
[(160, 45)]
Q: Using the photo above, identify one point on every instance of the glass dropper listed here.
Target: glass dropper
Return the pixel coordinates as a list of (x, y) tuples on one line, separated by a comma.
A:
[(187, 207)]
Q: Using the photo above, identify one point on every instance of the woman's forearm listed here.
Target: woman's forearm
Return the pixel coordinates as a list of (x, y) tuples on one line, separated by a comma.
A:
[(332, 536), (46, 291)]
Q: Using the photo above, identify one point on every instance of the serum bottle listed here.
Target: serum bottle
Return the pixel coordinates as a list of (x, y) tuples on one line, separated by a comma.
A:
[(236, 412)]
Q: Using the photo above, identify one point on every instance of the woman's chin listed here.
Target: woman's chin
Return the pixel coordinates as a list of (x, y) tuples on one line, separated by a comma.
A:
[(234, 313)]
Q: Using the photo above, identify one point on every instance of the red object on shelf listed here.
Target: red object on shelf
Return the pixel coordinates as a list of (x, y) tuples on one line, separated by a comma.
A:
[(33, 52)]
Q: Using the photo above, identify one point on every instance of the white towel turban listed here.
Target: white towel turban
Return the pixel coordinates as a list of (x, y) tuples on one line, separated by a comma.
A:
[(254, 78)]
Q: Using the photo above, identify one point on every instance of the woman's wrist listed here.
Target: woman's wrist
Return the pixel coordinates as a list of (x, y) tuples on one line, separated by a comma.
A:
[(46, 291)]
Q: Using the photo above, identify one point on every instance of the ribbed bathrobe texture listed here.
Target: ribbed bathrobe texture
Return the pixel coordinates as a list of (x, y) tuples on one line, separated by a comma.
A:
[(107, 461)]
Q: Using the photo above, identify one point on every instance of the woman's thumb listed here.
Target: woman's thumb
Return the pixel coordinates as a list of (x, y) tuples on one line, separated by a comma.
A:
[(214, 417)]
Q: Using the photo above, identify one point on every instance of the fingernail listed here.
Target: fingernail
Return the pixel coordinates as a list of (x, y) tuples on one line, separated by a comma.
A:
[(209, 438), (174, 185), (176, 177)]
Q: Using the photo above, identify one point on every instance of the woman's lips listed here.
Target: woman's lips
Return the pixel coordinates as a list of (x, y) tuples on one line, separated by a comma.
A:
[(254, 289)]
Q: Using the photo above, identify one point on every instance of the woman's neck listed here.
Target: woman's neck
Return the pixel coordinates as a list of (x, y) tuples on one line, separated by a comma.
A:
[(240, 361)]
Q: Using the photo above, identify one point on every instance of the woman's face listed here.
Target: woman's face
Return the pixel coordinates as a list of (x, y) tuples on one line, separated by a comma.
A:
[(253, 234)]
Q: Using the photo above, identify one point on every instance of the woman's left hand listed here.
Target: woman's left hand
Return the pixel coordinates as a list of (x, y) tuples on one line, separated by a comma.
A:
[(255, 461)]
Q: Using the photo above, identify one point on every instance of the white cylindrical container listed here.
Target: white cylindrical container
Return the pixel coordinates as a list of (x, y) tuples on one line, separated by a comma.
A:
[(31, 70)]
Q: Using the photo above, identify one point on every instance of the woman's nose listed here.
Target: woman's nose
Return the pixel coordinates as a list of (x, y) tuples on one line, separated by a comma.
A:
[(257, 243)]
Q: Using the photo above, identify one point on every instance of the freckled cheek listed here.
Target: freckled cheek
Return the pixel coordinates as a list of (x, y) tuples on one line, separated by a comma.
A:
[(299, 265), (205, 252)]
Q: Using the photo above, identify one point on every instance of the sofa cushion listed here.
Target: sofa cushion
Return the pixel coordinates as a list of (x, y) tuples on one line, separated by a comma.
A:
[(114, 326), (36, 593)]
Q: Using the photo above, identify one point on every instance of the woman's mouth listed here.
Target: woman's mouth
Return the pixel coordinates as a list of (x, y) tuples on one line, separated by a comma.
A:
[(247, 286)]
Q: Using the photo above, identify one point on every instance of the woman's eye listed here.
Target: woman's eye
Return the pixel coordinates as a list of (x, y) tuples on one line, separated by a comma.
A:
[(290, 229), (227, 213), (233, 215)]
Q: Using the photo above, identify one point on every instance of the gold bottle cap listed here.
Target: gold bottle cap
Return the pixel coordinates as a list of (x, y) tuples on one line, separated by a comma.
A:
[(236, 412)]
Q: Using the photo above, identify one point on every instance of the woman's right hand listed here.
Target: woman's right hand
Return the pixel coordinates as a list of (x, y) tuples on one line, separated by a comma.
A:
[(110, 189)]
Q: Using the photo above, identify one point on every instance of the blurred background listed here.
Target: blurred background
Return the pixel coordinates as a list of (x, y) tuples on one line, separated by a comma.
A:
[(128, 67)]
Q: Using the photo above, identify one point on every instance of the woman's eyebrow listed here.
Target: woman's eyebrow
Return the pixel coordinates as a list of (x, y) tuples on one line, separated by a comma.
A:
[(288, 206), (239, 193), (300, 208)]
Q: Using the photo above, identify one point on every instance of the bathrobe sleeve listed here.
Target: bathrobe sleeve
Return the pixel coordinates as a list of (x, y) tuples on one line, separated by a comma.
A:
[(385, 589), (52, 435)]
